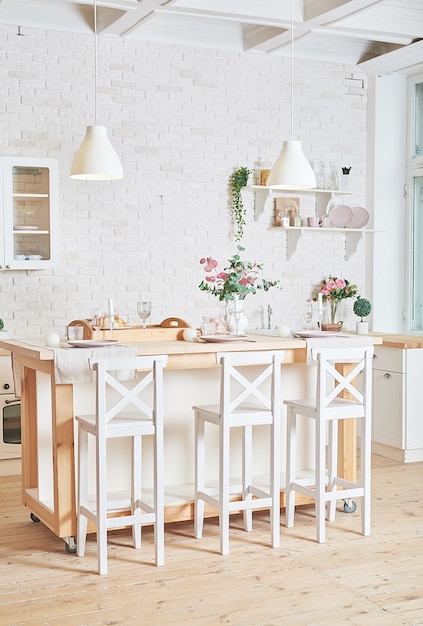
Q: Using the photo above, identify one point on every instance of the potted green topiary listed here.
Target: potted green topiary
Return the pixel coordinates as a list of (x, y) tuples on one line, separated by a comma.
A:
[(362, 308)]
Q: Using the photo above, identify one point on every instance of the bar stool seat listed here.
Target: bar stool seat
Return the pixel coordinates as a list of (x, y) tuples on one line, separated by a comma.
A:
[(112, 419), (243, 404), (336, 398)]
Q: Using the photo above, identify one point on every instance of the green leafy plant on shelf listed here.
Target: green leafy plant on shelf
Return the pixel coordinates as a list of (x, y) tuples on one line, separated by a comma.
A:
[(238, 180)]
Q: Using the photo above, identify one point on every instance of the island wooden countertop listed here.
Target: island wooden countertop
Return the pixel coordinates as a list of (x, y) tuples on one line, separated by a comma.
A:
[(185, 354), (182, 354)]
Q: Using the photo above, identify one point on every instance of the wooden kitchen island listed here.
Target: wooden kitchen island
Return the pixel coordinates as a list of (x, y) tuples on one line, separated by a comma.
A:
[(191, 376)]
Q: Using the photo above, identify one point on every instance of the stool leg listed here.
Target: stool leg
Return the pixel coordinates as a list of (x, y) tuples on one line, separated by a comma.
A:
[(290, 467), (332, 466), (101, 505), (159, 496), (136, 481), (81, 532), (199, 476), (320, 479), (365, 471), (275, 480), (224, 489), (247, 451)]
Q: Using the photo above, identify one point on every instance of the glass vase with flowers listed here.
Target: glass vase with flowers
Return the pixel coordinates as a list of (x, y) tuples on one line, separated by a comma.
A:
[(238, 279), (334, 291)]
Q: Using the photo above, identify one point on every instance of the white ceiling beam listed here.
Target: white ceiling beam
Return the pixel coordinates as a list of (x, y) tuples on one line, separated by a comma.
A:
[(408, 60), (132, 20), (317, 14)]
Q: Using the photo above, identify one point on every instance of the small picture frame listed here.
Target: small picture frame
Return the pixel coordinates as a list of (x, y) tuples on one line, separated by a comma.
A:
[(284, 207)]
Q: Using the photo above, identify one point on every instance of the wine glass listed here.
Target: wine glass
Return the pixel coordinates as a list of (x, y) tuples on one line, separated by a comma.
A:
[(308, 316), (96, 319), (144, 311)]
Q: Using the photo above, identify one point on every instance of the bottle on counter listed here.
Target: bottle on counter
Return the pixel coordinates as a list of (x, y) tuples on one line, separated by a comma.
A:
[(297, 220)]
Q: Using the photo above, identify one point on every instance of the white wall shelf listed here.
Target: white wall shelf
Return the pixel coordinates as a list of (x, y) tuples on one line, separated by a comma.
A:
[(263, 195), (352, 237)]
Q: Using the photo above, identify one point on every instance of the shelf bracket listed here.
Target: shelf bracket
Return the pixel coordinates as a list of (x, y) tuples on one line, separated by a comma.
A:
[(262, 195), (292, 239), (351, 242)]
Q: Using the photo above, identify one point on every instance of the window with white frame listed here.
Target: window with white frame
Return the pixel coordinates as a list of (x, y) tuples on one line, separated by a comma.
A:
[(415, 201)]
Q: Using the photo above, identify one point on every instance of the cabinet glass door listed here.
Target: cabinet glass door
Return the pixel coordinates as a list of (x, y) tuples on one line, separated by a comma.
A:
[(29, 213)]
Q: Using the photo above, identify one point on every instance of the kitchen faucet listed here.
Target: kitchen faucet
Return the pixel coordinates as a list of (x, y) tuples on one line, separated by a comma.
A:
[(269, 317)]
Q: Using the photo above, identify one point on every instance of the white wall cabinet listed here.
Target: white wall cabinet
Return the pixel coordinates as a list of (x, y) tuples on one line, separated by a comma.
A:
[(29, 239), (397, 406)]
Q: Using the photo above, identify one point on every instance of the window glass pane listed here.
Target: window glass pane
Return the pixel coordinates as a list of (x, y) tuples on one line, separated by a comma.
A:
[(417, 292), (418, 120)]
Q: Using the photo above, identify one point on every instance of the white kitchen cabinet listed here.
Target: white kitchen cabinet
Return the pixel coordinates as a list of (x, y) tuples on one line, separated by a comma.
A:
[(29, 239), (397, 406)]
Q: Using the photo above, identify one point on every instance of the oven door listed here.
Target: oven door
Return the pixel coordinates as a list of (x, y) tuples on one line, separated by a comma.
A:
[(10, 427)]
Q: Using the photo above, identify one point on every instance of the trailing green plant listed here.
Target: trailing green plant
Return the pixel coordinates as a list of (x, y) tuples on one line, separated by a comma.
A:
[(238, 180), (362, 307)]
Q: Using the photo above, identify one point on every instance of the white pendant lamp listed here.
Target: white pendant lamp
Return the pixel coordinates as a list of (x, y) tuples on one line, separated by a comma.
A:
[(291, 169), (96, 158)]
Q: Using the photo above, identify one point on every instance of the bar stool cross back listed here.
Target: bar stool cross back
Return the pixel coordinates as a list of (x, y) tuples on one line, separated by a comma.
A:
[(242, 404), (131, 413), (337, 398)]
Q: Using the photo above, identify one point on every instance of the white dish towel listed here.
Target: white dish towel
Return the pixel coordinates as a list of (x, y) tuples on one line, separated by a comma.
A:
[(72, 365)]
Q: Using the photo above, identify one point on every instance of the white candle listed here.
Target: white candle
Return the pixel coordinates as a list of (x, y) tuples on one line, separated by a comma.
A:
[(320, 301), (111, 310)]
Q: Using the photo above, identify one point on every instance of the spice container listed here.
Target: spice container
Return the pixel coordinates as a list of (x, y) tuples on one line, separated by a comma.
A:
[(264, 173)]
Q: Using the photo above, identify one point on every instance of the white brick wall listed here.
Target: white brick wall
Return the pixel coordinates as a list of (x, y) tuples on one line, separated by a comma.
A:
[(182, 119)]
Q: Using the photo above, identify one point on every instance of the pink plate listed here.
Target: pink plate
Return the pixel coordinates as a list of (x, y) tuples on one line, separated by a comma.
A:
[(92, 343), (360, 217), (221, 338), (340, 216)]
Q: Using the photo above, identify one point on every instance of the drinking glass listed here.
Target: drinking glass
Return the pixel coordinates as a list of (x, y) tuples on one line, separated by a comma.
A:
[(144, 311), (308, 316), (96, 319)]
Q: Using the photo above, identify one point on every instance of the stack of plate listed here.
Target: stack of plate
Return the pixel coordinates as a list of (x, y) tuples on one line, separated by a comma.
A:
[(343, 216)]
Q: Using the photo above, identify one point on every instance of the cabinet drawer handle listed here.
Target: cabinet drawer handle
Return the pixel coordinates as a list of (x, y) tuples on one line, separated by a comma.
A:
[(387, 375)]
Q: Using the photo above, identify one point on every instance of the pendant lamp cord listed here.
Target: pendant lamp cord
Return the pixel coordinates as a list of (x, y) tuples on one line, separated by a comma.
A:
[(95, 62), (292, 70)]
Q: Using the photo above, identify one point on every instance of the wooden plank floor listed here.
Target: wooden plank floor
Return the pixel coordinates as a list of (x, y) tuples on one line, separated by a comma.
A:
[(364, 581)]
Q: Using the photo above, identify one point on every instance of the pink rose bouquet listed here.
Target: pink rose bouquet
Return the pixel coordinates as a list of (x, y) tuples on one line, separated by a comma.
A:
[(239, 277), (334, 290)]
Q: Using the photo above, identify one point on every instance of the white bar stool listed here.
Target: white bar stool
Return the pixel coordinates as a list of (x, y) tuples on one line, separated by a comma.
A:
[(144, 397), (336, 398), (237, 386)]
